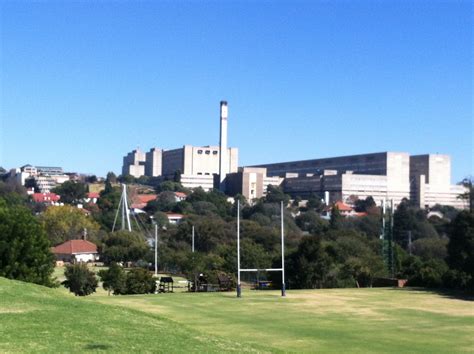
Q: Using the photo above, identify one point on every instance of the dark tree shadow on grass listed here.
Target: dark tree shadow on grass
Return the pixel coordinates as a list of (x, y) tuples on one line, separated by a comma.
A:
[(96, 346), (447, 293)]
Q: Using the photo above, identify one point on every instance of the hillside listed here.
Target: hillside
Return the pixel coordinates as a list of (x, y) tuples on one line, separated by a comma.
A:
[(39, 319)]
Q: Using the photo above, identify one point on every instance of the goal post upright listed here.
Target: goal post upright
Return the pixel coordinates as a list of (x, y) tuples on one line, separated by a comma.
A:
[(239, 290), (283, 290)]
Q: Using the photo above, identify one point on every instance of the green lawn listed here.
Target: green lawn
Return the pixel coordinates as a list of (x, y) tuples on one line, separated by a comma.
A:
[(38, 319), (340, 320)]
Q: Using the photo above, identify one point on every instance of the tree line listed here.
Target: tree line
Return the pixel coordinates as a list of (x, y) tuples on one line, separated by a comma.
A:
[(340, 252)]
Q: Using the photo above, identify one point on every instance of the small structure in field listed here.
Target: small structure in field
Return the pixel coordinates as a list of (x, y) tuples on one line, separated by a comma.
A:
[(166, 285), (73, 251)]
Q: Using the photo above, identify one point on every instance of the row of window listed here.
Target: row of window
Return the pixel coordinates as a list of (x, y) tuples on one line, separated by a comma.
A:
[(208, 152), (200, 173)]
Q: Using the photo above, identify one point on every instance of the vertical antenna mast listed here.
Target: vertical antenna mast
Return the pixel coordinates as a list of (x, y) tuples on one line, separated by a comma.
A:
[(123, 206)]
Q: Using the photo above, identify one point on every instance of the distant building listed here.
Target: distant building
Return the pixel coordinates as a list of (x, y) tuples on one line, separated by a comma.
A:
[(92, 197), (46, 198), (76, 251), (251, 182), (426, 179), (46, 178), (430, 177), (134, 164), (197, 166), (344, 209), (174, 218), (141, 200)]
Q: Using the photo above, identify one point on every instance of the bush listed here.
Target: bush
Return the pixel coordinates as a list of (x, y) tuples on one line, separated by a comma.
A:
[(113, 279), (80, 280), (139, 281)]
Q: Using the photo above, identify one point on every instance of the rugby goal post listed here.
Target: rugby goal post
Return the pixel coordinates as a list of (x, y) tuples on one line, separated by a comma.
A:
[(282, 269)]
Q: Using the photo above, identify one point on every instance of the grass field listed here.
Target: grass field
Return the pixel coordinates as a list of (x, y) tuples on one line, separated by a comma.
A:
[(340, 320)]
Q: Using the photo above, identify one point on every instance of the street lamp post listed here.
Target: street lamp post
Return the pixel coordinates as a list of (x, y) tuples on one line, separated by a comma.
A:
[(156, 249)]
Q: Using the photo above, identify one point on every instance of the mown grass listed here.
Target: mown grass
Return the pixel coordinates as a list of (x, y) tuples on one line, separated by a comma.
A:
[(332, 320), (38, 319), (337, 320)]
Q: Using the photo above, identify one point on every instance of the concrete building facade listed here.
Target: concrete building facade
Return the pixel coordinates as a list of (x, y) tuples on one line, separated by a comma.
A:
[(153, 162), (251, 182), (46, 177), (430, 177), (426, 179), (134, 163), (198, 166)]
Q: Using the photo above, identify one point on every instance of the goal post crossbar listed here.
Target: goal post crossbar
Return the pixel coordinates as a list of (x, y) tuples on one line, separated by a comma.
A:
[(262, 270)]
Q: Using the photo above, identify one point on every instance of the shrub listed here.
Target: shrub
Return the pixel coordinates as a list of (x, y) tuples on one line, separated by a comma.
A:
[(139, 281), (113, 279), (80, 280)]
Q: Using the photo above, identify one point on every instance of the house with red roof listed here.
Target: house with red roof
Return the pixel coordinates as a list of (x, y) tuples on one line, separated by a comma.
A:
[(141, 200), (174, 218), (76, 251), (344, 209), (92, 197), (46, 198), (180, 196)]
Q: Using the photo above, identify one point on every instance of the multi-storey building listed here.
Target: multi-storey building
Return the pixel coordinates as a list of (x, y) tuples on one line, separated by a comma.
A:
[(426, 179), (198, 166), (134, 163), (46, 177)]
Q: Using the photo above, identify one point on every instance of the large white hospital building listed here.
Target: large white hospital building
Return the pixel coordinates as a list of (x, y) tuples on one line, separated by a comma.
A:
[(424, 179)]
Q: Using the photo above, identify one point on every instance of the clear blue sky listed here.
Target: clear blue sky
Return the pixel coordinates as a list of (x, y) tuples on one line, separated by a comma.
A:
[(84, 83)]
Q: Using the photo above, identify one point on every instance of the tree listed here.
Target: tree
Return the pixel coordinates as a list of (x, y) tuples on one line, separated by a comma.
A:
[(177, 176), (71, 191), (80, 280), (429, 273), (165, 201), (461, 244), (139, 281), (63, 223), (111, 177), (91, 179), (358, 260), (314, 202), (24, 248), (31, 183), (309, 265), (335, 222), (311, 222), (161, 218), (13, 193), (275, 195), (108, 204), (364, 205), (409, 219), (430, 248), (467, 182), (124, 246), (113, 279), (171, 186)]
